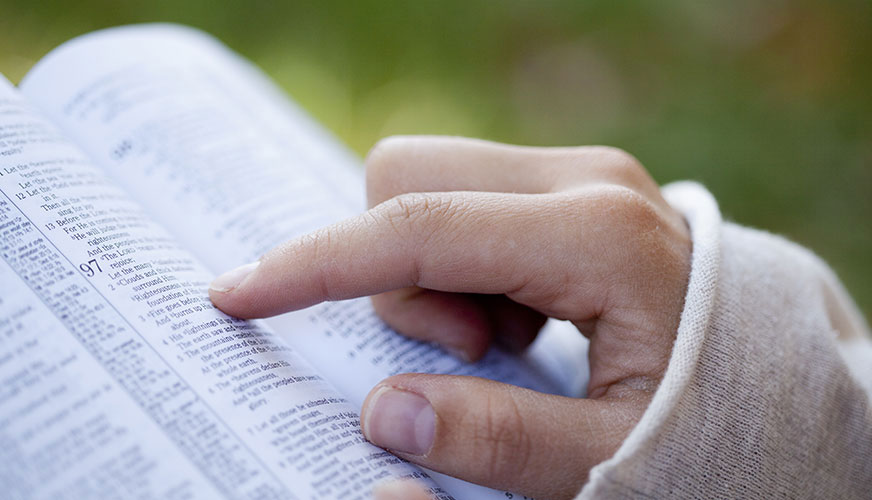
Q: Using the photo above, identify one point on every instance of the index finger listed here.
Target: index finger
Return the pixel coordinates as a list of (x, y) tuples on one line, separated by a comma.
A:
[(454, 242)]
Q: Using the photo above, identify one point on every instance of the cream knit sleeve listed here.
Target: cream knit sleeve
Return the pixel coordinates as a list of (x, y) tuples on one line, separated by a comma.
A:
[(767, 393)]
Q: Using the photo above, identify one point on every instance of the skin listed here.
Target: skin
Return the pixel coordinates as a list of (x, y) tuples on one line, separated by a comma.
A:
[(469, 243)]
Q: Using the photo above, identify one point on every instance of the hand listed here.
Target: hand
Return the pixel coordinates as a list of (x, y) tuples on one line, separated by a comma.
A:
[(469, 243)]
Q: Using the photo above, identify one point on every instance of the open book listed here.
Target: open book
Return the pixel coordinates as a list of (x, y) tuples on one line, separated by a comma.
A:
[(136, 163)]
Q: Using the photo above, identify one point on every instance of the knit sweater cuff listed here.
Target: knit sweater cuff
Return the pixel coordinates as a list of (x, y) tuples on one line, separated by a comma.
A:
[(756, 400)]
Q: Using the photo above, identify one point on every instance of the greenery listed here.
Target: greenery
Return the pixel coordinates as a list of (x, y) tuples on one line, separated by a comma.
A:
[(766, 102)]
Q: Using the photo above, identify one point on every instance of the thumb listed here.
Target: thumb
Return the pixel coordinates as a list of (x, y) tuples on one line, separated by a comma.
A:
[(498, 435)]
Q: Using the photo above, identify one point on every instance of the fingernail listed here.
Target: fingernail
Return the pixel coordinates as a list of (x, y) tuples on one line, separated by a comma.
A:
[(400, 420), (458, 353), (398, 490), (389, 491), (231, 279)]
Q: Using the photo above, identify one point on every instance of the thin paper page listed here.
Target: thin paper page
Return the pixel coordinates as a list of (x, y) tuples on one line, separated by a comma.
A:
[(68, 428), (200, 138), (200, 402)]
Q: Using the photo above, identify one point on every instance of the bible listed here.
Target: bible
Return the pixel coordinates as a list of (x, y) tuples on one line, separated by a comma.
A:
[(136, 163)]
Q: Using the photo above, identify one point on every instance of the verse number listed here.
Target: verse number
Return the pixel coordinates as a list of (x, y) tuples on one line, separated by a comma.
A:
[(90, 268)]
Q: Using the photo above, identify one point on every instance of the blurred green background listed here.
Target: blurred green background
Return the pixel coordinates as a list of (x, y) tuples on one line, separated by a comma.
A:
[(769, 103)]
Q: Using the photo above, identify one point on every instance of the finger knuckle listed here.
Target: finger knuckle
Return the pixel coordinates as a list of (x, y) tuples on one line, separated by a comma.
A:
[(417, 210), (633, 210), (649, 246), (411, 209), (502, 441), (623, 166)]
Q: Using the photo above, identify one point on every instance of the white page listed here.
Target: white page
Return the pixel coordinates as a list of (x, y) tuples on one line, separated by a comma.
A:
[(57, 400), (120, 378), (232, 169)]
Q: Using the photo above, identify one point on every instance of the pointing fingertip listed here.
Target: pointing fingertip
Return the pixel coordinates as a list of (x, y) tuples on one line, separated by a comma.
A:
[(233, 278)]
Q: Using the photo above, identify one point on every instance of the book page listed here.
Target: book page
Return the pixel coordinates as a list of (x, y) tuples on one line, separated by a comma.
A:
[(232, 169), (117, 376)]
